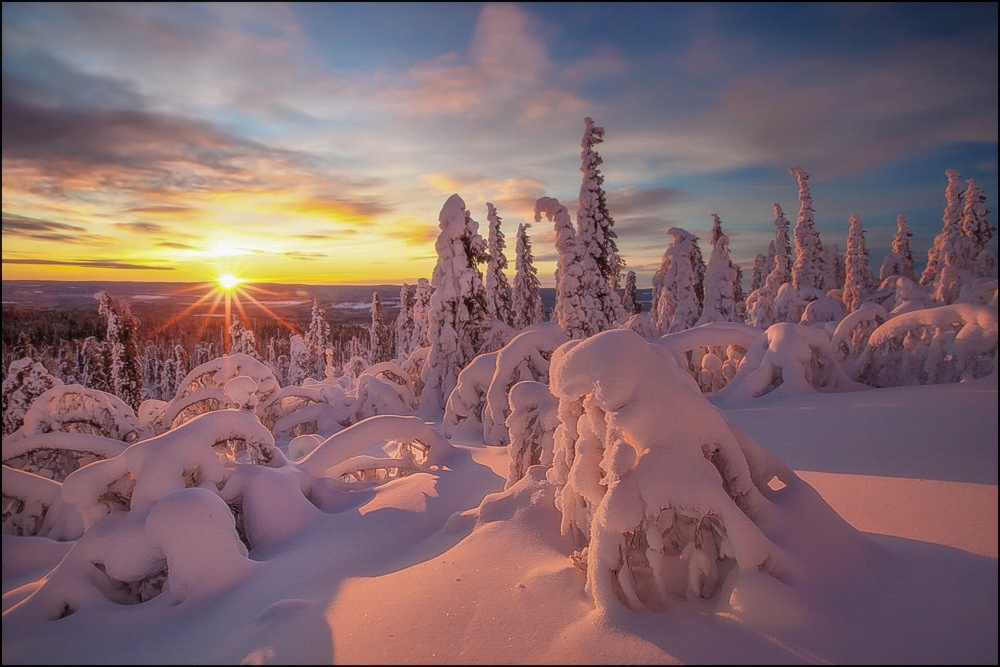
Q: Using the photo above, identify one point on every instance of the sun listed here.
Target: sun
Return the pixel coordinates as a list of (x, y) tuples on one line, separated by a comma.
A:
[(228, 281)]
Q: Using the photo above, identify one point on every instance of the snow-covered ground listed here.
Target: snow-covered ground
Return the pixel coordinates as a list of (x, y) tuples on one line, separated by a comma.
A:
[(446, 567)]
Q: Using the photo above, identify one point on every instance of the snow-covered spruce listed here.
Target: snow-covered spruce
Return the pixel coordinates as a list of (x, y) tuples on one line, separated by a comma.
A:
[(498, 291), (860, 280), (664, 507), (526, 297), (578, 313), (458, 316), (26, 380), (808, 269), (678, 285), (595, 228), (899, 262)]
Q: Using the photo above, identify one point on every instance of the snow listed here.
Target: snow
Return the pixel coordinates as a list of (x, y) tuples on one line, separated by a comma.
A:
[(888, 515)]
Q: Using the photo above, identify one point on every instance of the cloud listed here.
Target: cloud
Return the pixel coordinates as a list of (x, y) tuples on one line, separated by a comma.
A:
[(174, 245), (87, 264), (629, 201), (46, 230), (142, 227)]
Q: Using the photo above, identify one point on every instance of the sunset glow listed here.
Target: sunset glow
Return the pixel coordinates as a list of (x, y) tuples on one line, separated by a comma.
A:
[(143, 142), (228, 281)]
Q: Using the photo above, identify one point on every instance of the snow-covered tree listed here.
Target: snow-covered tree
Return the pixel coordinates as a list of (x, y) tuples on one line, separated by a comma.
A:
[(662, 508), (976, 226), (782, 244), (578, 313), (757, 278), (498, 290), (860, 281), (458, 307), (951, 227), (318, 338), (630, 301), (678, 285), (404, 327), (899, 262), (123, 340), (421, 314), (807, 271), (301, 359), (242, 339), (595, 228), (25, 380), (721, 278), (527, 297), (379, 339)]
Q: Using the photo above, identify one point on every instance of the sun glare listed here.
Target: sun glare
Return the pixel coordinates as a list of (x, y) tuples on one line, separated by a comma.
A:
[(228, 281)]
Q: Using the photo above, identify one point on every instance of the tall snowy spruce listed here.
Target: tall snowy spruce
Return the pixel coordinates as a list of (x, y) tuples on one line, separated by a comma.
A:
[(577, 312), (379, 338), (782, 245), (458, 313), (899, 262), (498, 291), (723, 296), (404, 326), (951, 227), (976, 226), (630, 300), (860, 281), (318, 339), (808, 269), (595, 227), (679, 284), (527, 295), (123, 341)]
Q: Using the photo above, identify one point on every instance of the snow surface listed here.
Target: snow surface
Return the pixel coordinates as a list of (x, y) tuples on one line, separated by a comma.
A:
[(444, 566)]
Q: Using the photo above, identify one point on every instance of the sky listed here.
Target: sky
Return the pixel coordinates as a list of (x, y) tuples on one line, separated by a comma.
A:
[(317, 142)]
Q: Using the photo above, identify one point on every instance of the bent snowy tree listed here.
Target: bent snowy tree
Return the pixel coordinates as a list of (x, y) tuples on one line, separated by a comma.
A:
[(661, 492)]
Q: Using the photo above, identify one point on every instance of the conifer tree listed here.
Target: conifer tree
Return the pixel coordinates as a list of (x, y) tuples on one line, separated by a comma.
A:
[(807, 271), (757, 279), (404, 325), (860, 281), (123, 342), (526, 297), (378, 334), (459, 313), (631, 300), (577, 311), (498, 291), (782, 244), (678, 285), (951, 227), (976, 226), (595, 228), (318, 339), (899, 262)]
